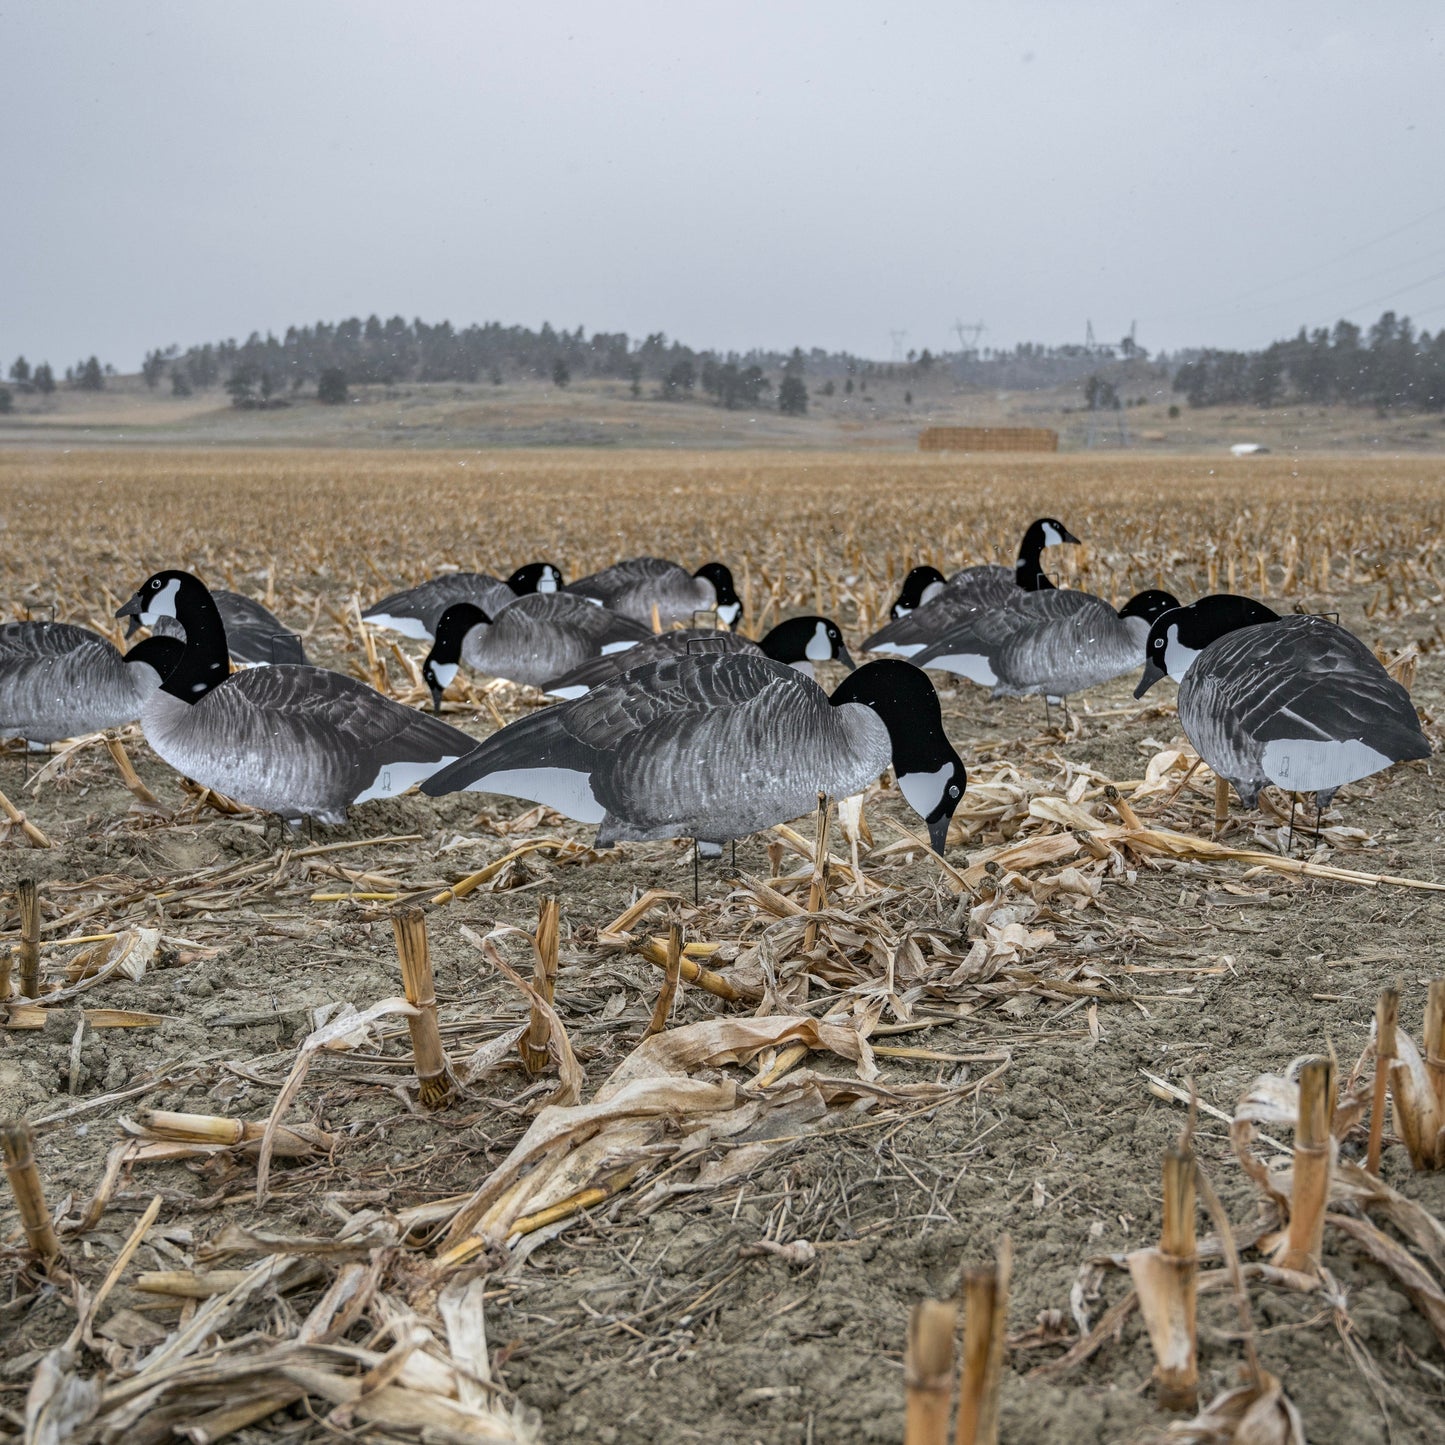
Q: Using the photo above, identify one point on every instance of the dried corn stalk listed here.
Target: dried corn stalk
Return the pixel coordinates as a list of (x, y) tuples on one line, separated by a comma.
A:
[(928, 1372), (1417, 1085), (1166, 1280), (985, 1328)]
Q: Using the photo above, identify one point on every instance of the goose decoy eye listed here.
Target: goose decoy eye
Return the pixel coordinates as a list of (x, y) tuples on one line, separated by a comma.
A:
[(155, 584), (953, 790)]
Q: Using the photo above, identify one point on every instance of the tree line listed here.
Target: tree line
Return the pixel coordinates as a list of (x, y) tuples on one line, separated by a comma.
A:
[(1389, 366)]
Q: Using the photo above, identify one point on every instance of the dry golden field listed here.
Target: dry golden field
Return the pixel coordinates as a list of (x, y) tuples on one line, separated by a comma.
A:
[(714, 1231), (887, 413)]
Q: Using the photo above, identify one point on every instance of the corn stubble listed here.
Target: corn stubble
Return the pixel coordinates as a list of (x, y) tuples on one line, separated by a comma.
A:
[(768, 996)]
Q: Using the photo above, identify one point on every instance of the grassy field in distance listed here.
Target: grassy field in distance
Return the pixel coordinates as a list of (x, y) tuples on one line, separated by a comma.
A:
[(600, 413)]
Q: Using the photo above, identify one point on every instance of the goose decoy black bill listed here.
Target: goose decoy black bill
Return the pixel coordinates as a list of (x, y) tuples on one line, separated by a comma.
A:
[(1053, 643), (800, 642), (290, 739), (1296, 701), (717, 746), (633, 588), (255, 636), (927, 606), (59, 681), (416, 612), (531, 641)]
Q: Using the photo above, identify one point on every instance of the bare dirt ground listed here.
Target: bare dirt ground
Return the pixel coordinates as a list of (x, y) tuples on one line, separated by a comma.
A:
[(1010, 1095)]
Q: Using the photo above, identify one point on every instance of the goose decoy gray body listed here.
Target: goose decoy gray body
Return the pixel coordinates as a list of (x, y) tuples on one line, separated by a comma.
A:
[(1296, 701), (633, 588), (416, 612), (716, 746), (255, 636), (928, 606), (1056, 643), (531, 641), (799, 643), (59, 681), (290, 739)]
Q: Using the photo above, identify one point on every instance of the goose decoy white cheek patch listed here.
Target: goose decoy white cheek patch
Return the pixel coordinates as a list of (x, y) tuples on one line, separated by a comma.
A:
[(444, 672), (1178, 658), (925, 791), (161, 604), (820, 646), (728, 611)]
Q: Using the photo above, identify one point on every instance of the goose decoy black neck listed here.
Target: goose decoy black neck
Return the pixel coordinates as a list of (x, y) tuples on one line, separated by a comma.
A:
[(535, 577), (806, 639), (204, 662), (729, 604), (1177, 637), (921, 585), (445, 656), (929, 770), (1043, 532), (161, 653)]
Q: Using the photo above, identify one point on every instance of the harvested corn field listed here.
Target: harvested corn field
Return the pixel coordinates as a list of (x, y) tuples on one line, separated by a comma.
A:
[(356, 1134)]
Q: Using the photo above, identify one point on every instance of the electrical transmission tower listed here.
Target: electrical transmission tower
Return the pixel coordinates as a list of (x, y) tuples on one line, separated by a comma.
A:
[(899, 337), (969, 334)]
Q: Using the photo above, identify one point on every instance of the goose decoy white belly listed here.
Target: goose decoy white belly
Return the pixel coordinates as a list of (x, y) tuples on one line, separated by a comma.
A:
[(59, 681)]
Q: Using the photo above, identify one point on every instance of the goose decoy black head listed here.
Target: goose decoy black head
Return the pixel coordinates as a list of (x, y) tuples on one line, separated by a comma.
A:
[(729, 604), (922, 584), (1177, 637), (1149, 605), (1042, 532), (535, 577), (929, 770), (807, 639), (445, 657), (204, 661), (162, 595)]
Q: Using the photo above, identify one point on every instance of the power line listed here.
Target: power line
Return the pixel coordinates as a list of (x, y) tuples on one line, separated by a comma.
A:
[(1342, 256), (1400, 291), (1234, 303)]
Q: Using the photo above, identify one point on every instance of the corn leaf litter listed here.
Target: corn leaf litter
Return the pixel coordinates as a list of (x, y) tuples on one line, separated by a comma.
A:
[(653, 1108), (433, 1381)]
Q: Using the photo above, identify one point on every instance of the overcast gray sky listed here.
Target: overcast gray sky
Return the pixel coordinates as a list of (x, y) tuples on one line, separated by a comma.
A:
[(734, 175)]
